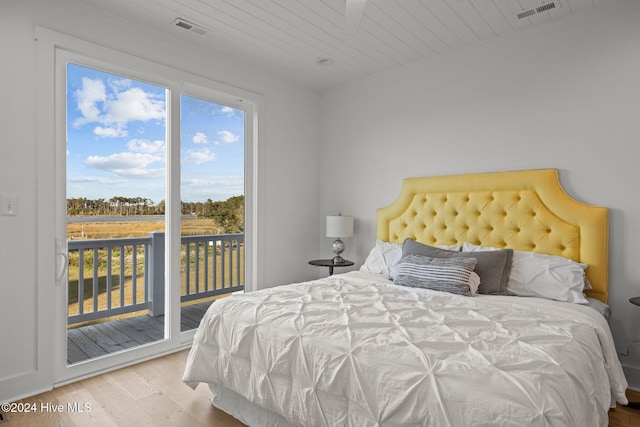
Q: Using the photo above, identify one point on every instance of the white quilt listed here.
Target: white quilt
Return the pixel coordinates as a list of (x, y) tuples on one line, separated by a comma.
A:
[(356, 350)]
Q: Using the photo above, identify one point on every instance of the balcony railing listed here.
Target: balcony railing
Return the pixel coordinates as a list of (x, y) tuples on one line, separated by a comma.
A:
[(127, 275)]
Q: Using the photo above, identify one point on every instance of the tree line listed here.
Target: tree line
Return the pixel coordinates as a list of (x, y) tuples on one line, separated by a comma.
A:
[(228, 214), (120, 206)]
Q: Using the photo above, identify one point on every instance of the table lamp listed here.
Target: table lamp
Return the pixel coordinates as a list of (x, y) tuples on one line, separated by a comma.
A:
[(339, 226)]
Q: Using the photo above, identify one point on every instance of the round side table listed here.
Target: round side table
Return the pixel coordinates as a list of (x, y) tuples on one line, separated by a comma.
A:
[(329, 263)]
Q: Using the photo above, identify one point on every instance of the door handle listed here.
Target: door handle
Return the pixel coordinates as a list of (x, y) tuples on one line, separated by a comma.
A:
[(61, 252)]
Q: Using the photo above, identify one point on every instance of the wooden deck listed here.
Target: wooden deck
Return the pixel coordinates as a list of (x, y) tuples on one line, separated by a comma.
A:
[(91, 341)]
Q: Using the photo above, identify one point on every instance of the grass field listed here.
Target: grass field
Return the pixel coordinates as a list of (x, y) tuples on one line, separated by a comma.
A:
[(106, 230), (117, 230)]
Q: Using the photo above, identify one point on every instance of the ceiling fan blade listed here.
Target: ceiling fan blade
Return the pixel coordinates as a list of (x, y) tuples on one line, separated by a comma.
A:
[(354, 9)]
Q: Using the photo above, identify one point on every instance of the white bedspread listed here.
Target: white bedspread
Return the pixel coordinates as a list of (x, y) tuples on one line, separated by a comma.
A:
[(355, 350)]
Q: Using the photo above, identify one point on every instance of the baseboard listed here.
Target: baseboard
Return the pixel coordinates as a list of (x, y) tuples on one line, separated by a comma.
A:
[(632, 373), (28, 394)]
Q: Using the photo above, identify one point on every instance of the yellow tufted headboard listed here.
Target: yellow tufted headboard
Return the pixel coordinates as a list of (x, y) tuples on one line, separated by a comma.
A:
[(524, 210)]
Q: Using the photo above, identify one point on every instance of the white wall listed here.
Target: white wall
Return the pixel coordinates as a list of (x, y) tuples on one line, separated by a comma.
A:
[(562, 95), (289, 179)]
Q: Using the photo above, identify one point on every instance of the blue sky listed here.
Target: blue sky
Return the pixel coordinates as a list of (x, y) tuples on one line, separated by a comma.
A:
[(116, 141)]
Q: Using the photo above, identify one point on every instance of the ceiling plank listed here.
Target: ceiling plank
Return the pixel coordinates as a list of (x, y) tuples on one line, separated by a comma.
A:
[(445, 14), (468, 14), (432, 22)]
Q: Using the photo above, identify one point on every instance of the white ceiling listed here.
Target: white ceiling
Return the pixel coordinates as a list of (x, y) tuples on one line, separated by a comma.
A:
[(287, 37)]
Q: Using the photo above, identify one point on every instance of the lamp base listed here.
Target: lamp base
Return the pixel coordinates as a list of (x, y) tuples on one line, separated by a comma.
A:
[(338, 247), (338, 260)]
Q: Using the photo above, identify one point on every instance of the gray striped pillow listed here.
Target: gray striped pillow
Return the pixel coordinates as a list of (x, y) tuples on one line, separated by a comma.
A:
[(439, 274)]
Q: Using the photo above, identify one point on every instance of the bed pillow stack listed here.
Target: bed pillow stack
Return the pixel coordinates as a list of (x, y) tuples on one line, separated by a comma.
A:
[(492, 267), (496, 271)]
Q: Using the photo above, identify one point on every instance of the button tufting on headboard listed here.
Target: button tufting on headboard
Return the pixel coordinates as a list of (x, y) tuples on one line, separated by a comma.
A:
[(525, 210)]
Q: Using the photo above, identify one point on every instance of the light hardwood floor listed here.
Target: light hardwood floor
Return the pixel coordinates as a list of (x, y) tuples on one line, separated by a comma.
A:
[(147, 394), (152, 394), (622, 416)]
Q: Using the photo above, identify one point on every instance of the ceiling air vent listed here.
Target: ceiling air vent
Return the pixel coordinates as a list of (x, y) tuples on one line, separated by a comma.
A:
[(526, 13), (545, 7), (538, 9), (183, 23)]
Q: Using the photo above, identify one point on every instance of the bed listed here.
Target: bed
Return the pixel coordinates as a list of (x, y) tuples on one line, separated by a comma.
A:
[(475, 307)]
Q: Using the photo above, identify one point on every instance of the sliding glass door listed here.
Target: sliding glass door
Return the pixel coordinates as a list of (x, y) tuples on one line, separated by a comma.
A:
[(152, 201)]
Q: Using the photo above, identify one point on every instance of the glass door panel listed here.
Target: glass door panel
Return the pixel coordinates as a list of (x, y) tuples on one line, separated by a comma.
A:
[(212, 187), (115, 191)]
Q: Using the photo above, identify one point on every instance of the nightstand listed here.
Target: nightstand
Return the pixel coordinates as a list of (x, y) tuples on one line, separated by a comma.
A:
[(329, 263), (634, 405)]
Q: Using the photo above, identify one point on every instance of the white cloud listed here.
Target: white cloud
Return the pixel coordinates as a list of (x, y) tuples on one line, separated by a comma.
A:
[(115, 111), (195, 181), (200, 138), (216, 181), (140, 173), (146, 146), (227, 137), (131, 165), (214, 188), (92, 93), (122, 160), (228, 111), (110, 132), (134, 104), (97, 179), (199, 156), (120, 84)]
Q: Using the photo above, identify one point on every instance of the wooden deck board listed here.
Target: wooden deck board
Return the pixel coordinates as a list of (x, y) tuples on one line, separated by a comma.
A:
[(100, 339), (191, 319), (121, 337), (103, 340), (135, 335), (86, 344), (146, 325), (74, 353)]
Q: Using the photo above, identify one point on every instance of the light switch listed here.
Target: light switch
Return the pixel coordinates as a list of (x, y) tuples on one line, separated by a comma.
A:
[(9, 205)]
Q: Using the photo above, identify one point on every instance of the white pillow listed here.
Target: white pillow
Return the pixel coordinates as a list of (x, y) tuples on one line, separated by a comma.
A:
[(385, 255), (544, 276), (382, 257)]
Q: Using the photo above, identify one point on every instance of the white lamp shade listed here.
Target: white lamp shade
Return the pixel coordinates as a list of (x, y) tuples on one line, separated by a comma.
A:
[(339, 226)]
